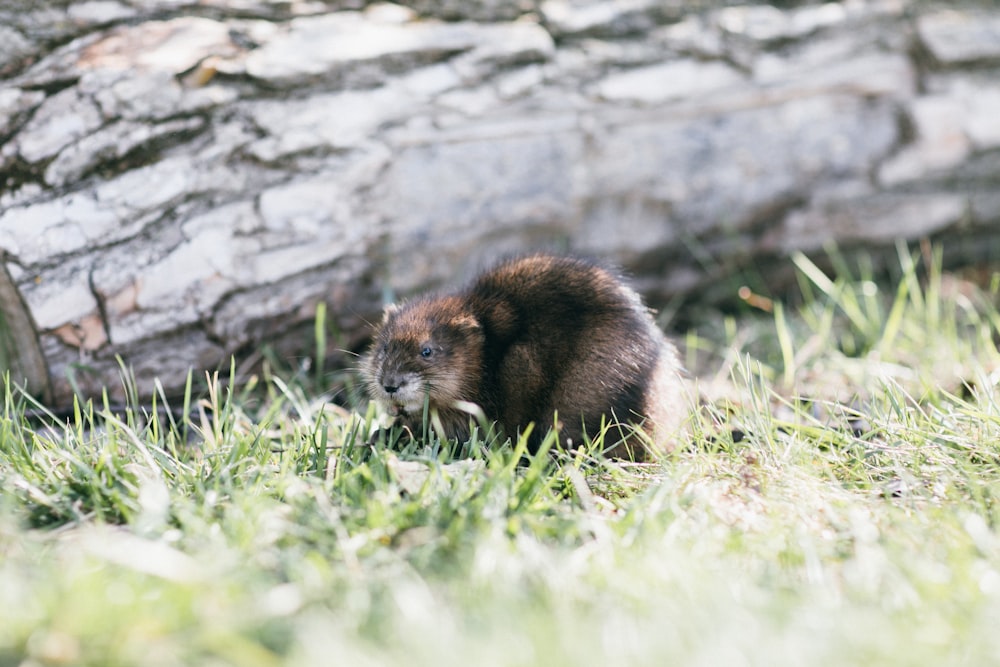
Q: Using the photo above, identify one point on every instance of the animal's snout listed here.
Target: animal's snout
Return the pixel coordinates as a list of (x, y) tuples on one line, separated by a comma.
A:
[(393, 383)]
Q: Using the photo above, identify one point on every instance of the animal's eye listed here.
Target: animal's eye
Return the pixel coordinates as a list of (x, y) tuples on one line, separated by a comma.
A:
[(426, 352)]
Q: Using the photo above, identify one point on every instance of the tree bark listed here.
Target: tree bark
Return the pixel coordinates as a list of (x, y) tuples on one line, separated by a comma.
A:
[(21, 356), (183, 181)]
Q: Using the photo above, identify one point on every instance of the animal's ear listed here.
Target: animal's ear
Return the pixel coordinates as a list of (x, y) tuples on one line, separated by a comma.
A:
[(389, 311), (465, 323)]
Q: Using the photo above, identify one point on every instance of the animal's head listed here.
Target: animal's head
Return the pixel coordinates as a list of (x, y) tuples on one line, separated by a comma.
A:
[(430, 349)]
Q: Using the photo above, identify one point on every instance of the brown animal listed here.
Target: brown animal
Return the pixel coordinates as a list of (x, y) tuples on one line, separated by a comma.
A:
[(532, 338)]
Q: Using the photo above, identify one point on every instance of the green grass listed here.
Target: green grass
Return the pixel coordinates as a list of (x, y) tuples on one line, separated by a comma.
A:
[(856, 522)]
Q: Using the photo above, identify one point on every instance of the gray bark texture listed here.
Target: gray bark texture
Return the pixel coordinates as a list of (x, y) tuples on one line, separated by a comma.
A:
[(181, 181)]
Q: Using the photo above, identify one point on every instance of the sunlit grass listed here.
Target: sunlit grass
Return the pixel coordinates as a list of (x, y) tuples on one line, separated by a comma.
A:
[(837, 505)]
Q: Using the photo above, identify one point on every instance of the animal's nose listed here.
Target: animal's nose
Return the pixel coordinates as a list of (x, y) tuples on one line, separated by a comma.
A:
[(393, 383)]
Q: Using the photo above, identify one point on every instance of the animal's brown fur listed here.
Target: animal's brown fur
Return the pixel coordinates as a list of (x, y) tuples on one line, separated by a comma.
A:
[(533, 337)]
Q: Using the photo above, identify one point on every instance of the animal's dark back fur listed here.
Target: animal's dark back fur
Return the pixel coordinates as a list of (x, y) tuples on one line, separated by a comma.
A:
[(564, 335)]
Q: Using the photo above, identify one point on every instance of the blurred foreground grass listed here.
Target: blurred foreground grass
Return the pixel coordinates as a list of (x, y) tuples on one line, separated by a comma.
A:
[(855, 522)]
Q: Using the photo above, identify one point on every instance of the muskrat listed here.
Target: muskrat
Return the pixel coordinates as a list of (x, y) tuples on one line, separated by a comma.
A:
[(534, 337)]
